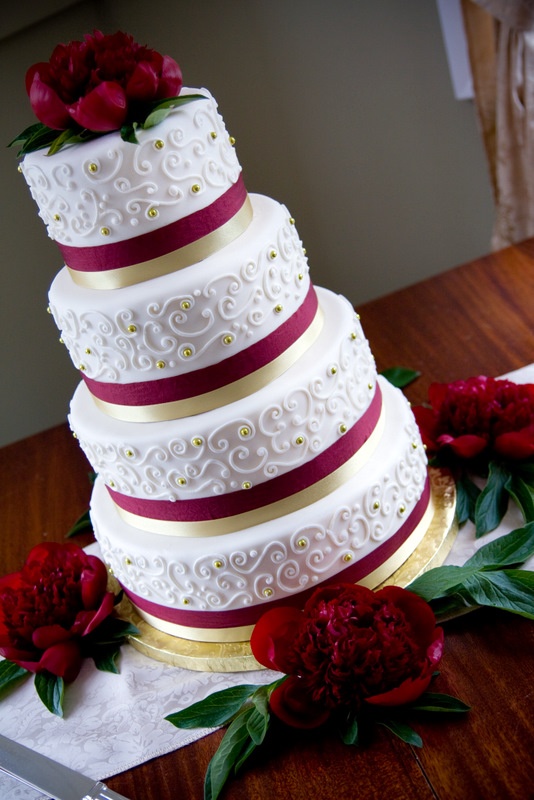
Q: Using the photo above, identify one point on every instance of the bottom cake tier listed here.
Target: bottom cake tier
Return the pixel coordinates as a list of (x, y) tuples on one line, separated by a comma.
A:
[(215, 588)]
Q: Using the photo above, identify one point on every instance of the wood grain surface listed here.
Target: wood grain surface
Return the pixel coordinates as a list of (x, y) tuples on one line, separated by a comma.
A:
[(474, 319)]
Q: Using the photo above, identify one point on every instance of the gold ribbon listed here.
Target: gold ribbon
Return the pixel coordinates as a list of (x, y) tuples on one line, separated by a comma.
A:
[(236, 522), (243, 632), (170, 262), (177, 409)]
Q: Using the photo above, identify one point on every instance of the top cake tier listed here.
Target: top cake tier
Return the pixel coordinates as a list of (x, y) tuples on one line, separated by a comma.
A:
[(122, 213)]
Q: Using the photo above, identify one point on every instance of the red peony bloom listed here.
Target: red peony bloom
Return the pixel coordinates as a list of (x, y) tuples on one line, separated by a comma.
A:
[(59, 597), (349, 646), (100, 83), (479, 416)]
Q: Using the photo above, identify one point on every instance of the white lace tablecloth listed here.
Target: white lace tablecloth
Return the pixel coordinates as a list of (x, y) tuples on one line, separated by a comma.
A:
[(115, 722)]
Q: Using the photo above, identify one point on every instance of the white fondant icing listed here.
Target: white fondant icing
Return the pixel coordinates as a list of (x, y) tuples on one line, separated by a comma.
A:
[(281, 426), (112, 184), (120, 335), (286, 555)]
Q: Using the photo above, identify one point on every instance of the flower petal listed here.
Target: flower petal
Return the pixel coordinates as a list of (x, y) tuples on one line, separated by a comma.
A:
[(515, 445), (63, 659), (273, 636), (48, 635), (47, 106), (94, 581), (292, 704), (102, 109)]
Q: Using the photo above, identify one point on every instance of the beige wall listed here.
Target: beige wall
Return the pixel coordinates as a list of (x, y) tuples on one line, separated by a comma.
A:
[(342, 109)]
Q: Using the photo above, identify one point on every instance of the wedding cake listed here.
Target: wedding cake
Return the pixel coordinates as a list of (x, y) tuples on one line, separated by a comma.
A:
[(246, 450)]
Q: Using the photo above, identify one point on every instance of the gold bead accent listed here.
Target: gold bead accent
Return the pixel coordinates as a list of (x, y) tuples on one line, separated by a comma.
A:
[(185, 305), (370, 386), (302, 542), (267, 592), (347, 557), (195, 188), (112, 484), (181, 481), (273, 254), (48, 310), (414, 445), (291, 221), (217, 564), (244, 431), (57, 218), (299, 440), (196, 441), (187, 352), (159, 144), (19, 168), (246, 484), (186, 601), (213, 135), (129, 453), (132, 328), (342, 428), (231, 140), (279, 308), (61, 340), (357, 316), (93, 167), (74, 435), (110, 570), (105, 231), (300, 276), (82, 367), (304, 251), (353, 336), (402, 509), (376, 505), (153, 212), (88, 351), (228, 339), (160, 364), (333, 370), (127, 561)]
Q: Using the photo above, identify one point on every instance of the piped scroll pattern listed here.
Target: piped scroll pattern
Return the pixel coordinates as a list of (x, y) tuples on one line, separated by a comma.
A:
[(180, 166), (247, 449), (190, 327), (229, 577)]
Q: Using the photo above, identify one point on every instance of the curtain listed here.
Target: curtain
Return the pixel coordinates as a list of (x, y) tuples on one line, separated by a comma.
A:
[(500, 36)]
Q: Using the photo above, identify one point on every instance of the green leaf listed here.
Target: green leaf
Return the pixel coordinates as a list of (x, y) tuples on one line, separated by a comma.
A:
[(105, 658), (440, 581), (165, 107), (508, 550), (82, 524), (10, 674), (216, 709), (232, 751), (493, 500), (436, 702), (51, 690), (400, 376), (258, 725), (403, 731), (508, 589), (110, 631), (128, 133), (467, 493), (523, 495), (350, 733)]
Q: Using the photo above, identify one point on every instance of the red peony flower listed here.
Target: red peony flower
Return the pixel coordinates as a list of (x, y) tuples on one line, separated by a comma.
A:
[(100, 83), (349, 646), (479, 416), (59, 597)]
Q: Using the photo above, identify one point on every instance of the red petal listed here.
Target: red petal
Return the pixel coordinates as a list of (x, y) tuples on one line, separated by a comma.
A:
[(292, 705), (468, 446), (143, 83), (516, 445), (47, 106), (48, 635), (63, 659), (408, 691), (170, 81), (103, 612), (94, 580), (273, 636), (103, 109), (417, 611)]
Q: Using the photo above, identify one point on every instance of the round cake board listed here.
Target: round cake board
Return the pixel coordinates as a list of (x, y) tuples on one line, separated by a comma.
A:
[(237, 656)]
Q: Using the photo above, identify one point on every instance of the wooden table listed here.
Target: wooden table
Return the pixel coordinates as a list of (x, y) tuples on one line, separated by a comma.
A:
[(475, 319)]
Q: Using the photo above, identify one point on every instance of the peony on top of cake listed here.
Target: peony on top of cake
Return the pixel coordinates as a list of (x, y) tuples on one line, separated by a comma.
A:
[(101, 84)]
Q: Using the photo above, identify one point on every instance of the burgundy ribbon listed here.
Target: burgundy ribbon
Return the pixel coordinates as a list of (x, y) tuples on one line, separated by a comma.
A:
[(207, 379), (251, 614), (271, 491), (159, 242)]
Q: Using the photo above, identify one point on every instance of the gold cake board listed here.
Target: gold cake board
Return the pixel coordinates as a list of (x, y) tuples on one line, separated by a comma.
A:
[(237, 656)]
